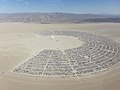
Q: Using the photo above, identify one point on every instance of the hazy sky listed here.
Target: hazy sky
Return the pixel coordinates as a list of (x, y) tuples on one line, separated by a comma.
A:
[(71, 6)]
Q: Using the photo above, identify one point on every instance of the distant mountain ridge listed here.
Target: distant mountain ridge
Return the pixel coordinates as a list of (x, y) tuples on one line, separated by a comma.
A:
[(49, 18)]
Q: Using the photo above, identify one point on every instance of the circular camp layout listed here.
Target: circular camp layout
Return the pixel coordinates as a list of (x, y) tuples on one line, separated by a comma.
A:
[(71, 54)]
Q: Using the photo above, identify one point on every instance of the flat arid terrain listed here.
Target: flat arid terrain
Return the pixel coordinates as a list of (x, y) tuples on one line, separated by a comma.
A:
[(21, 41)]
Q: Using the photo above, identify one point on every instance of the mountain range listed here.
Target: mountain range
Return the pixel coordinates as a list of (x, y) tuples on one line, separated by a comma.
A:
[(49, 18)]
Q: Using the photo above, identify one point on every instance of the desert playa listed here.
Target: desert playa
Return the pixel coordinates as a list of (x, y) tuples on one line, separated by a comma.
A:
[(19, 42)]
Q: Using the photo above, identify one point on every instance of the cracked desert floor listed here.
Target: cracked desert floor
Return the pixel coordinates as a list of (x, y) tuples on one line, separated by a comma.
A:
[(20, 41)]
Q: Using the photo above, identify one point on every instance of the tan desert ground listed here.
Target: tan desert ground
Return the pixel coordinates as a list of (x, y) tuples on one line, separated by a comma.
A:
[(20, 41)]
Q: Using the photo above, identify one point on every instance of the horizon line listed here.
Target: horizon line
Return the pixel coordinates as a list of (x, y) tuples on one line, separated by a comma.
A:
[(59, 13)]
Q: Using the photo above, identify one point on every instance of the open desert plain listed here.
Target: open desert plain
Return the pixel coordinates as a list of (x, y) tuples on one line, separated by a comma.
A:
[(82, 56)]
